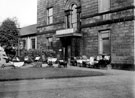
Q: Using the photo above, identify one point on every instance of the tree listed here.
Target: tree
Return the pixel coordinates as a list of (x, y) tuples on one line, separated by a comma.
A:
[(9, 32), (9, 35)]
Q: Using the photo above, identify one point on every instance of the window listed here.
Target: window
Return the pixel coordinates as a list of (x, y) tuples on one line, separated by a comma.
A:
[(74, 16), (104, 5), (23, 44), (49, 15), (33, 43), (68, 21), (104, 42), (71, 18), (50, 43)]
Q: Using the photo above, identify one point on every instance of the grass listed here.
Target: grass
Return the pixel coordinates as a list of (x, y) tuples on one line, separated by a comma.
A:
[(47, 73)]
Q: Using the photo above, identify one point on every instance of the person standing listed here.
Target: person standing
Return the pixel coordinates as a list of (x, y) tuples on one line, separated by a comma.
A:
[(3, 55)]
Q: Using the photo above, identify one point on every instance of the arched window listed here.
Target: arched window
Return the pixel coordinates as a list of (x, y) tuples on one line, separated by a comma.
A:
[(71, 16), (74, 16)]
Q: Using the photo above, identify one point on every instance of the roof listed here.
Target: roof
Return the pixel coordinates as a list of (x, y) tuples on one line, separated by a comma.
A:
[(28, 30)]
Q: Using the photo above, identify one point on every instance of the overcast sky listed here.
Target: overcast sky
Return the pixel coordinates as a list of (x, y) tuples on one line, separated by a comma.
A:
[(24, 10)]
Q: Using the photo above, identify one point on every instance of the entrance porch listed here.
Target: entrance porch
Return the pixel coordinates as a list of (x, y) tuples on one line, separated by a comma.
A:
[(70, 41)]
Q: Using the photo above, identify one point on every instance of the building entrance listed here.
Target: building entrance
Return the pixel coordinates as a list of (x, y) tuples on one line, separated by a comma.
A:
[(66, 47), (70, 47)]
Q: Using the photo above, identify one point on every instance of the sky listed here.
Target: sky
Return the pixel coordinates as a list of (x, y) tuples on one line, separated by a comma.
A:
[(24, 10)]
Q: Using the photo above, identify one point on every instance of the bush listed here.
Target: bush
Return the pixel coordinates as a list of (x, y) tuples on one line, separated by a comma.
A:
[(37, 52)]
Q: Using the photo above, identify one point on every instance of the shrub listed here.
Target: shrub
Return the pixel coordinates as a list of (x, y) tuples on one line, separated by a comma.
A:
[(37, 52)]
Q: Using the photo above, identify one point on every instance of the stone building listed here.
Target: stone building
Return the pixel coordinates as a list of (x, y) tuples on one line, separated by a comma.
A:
[(28, 38), (88, 27)]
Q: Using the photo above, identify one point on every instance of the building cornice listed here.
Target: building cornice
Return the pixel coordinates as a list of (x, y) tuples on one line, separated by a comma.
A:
[(108, 12), (123, 19), (50, 24)]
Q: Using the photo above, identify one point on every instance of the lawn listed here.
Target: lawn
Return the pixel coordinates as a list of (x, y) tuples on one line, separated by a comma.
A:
[(47, 73)]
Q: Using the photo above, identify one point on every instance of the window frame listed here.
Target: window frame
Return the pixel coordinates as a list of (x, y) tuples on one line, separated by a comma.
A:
[(100, 41), (103, 8), (75, 15), (23, 44), (35, 45), (50, 42), (68, 21), (50, 15), (69, 17)]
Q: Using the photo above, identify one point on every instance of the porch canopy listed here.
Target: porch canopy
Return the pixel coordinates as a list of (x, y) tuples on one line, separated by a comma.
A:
[(67, 33)]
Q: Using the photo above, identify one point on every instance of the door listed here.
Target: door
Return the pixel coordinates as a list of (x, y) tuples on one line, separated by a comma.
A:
[(66, 48)]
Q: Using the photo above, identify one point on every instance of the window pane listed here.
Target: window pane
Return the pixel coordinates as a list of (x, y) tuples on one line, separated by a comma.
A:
[(68, 21), (50, 42), (23, 44), (104, 43), (50, 16), (74, 16), (51, 20), (104, 5), (106, 46), (33, 43), (50, 11), (105, 34)]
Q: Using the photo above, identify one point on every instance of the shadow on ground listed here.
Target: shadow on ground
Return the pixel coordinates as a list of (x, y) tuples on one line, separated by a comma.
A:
[(44, 73)]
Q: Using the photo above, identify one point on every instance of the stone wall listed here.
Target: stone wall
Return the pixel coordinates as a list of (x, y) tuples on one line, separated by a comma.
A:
[(48, 30), (120, 3), (58, 11), (122, 42), (90, 41), (122, 33), (89, 7)]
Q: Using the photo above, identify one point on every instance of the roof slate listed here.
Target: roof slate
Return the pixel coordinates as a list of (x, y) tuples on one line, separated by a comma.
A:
[(28, 30)]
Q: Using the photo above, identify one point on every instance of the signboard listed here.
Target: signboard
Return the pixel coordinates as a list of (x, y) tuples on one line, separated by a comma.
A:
[(65, 31)]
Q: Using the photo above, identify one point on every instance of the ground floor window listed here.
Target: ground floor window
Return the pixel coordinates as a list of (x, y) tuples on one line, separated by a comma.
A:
[(104, 42), (23, 44), (33, 43), (50, 43)]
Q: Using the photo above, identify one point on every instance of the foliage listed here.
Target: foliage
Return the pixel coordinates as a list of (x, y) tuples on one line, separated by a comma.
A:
[(37, 52), (10, 52), (9, 32)]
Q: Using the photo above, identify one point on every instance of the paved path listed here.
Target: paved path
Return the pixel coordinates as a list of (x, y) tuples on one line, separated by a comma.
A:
[(116, 84)]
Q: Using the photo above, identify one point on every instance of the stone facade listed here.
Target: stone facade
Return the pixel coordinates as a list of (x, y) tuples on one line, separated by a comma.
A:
[(28, 38), (120, 25)]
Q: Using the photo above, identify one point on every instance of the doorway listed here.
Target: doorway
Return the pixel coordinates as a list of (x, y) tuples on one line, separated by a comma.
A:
[(66, 47)]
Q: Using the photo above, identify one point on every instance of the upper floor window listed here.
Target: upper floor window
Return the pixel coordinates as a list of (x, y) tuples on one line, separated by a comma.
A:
[(103, 6), (50, 15), (71, 17), (74, 16), (68, 21)]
